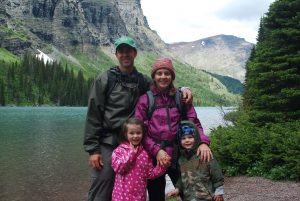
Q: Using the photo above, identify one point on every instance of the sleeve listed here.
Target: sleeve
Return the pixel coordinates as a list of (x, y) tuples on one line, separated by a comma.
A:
[(192, 116), (219, 190), (154, 172), (94, 117), (122, 159), (216, 174), (141, 111)]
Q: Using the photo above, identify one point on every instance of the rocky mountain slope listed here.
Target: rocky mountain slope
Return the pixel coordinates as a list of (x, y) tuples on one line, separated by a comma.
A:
[(71, 25), (222, 54)]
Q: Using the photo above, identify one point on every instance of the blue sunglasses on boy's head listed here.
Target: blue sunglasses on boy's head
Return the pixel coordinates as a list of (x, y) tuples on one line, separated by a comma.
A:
[(187, 130)]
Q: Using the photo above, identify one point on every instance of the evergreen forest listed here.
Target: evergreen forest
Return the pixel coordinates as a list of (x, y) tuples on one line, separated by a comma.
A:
[(264, 139), (33, 82)]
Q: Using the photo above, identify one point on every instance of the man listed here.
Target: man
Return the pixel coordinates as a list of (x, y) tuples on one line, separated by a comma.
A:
[(112, 100)]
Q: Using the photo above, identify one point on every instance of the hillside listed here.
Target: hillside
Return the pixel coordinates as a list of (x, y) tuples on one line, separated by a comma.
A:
[(80, 34)]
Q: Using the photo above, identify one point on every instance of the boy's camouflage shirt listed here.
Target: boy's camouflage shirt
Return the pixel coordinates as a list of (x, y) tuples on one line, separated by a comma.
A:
[(198, 180)]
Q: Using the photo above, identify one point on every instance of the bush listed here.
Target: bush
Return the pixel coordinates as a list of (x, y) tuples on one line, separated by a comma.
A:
[(281, 152), (272, 151)]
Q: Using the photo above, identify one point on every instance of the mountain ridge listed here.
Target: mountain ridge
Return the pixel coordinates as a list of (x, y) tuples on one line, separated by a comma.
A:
[(222, 54)]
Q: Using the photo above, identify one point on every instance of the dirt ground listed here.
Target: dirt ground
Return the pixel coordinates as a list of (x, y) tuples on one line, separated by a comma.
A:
[(244, 188), (241, 188), (260, 189)]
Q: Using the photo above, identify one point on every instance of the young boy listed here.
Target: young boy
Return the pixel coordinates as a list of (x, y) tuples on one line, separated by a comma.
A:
[(199, 180)]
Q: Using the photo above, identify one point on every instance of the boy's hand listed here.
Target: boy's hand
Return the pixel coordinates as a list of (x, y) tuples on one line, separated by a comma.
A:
[(218, 198), (173, 193)]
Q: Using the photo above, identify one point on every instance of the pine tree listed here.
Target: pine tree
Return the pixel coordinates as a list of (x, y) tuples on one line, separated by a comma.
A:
[(273, 78)]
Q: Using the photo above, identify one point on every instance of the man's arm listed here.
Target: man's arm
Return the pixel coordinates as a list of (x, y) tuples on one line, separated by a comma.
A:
[(94, 119)]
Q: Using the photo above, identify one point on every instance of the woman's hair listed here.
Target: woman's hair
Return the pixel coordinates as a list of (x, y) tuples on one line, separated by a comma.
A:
[(134, 121)]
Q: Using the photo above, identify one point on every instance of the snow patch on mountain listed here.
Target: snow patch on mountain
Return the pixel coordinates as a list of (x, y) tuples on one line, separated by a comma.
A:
[(42, 56)]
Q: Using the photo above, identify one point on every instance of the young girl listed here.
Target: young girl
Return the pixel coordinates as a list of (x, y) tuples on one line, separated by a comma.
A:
[(162, 125), (132, 164)]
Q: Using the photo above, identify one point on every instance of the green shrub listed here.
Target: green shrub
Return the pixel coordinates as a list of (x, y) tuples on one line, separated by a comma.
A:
[(272, 151), (281, 152)]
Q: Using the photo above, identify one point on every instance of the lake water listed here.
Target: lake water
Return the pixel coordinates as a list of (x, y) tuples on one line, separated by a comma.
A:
[(42, 156)]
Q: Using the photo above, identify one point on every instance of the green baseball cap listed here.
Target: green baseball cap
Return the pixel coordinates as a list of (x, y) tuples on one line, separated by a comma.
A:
[(125, 40)]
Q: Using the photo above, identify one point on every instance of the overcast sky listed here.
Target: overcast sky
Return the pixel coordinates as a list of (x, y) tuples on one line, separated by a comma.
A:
[(190, 20)]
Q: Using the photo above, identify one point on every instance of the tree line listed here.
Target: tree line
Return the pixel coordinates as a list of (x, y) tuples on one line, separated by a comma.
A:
[(265, 138), (33, 82)]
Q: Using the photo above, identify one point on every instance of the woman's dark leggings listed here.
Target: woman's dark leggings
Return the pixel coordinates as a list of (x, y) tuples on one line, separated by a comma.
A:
[(156, 187)]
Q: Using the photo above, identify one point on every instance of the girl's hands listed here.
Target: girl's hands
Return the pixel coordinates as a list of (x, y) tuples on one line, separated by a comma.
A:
[(163, 159), (134, 148)]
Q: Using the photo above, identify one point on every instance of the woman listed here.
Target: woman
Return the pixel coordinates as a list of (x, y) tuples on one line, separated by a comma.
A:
[(162, 125)]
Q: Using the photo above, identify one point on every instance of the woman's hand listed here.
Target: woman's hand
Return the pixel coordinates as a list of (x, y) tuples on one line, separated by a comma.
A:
[(163, 159), (204, 153)]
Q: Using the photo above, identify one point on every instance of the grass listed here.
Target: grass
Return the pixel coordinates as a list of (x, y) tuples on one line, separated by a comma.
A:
[(12, 34), (7, 56)]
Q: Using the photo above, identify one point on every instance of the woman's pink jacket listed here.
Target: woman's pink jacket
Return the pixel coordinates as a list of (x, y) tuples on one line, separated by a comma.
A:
[(164, 121), (132, 171)]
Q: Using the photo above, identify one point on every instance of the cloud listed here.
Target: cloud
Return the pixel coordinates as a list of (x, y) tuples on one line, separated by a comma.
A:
[(244, 10), (177, 20)]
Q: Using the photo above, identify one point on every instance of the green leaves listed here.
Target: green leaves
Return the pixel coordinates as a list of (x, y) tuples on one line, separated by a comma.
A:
[(272, 79), (272, 150)]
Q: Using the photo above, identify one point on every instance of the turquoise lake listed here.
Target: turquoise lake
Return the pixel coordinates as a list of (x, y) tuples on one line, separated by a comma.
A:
[(42, 156)]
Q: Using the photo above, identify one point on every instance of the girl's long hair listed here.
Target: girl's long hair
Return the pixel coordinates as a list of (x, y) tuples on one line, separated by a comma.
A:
[(134, 121)]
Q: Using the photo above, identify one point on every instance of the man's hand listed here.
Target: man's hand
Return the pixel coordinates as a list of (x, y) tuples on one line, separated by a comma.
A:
[(95, 161), (187, 96), (163, 159), (204, 153)]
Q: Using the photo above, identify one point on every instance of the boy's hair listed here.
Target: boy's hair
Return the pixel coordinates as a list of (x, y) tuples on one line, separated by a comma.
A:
[(134, 121)]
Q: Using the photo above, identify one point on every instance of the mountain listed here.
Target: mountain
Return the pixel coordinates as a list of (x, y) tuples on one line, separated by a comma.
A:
[(222, 54), (80, 34), (73, 24)]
